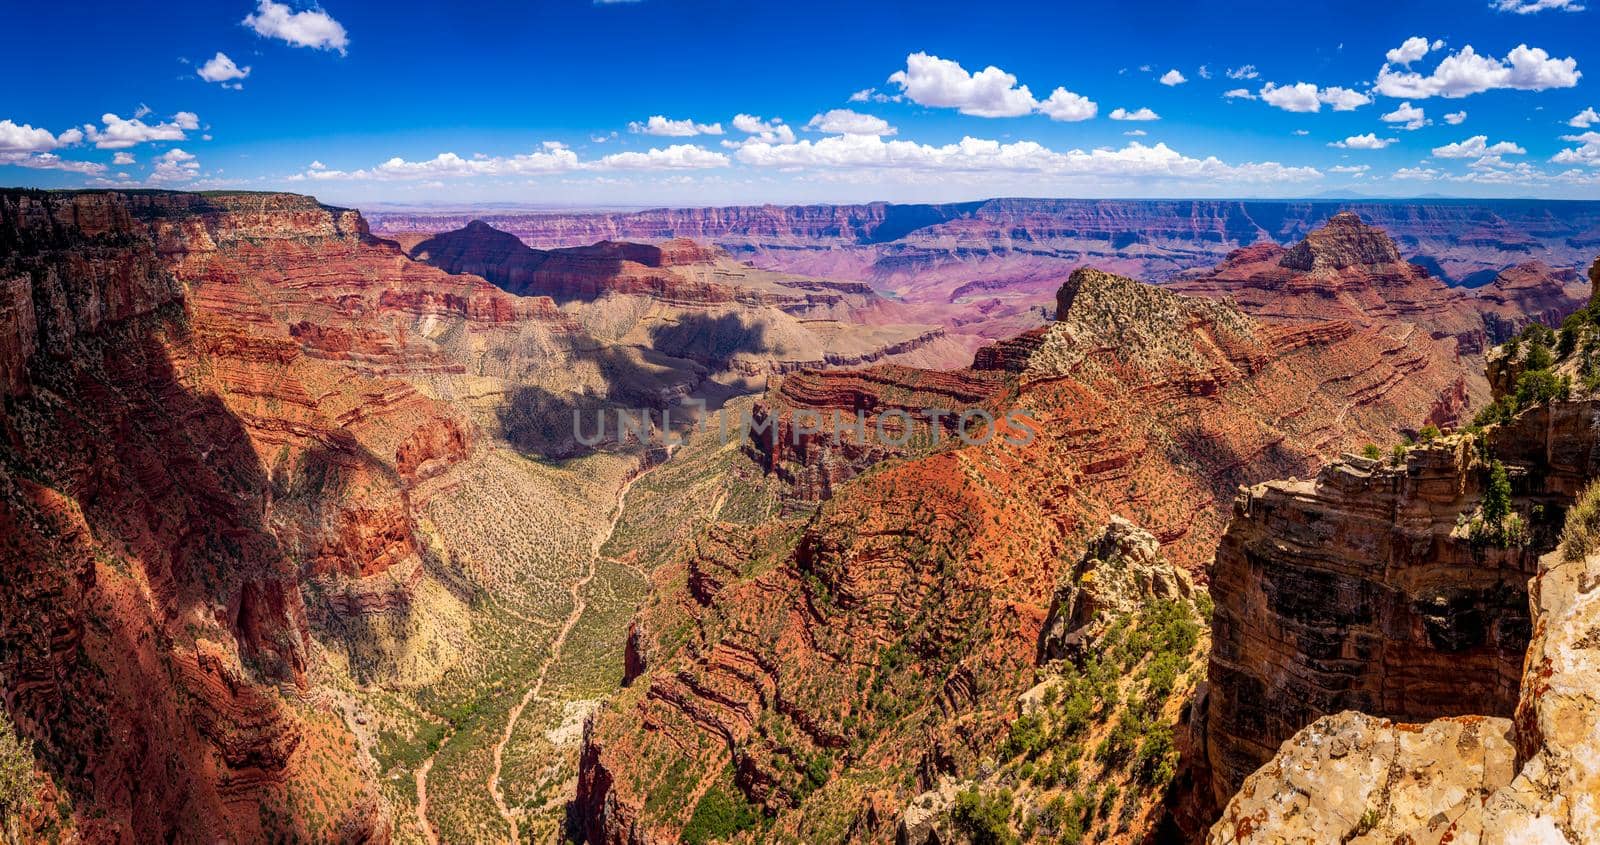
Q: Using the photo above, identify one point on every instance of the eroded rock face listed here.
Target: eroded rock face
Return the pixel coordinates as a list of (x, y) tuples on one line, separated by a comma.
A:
[(1359, 589), (1456, 779), (156, 644)]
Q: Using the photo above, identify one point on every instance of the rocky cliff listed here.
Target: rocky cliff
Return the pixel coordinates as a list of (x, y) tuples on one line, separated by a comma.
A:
[(156, 644), (1386, 593), (831, 668)]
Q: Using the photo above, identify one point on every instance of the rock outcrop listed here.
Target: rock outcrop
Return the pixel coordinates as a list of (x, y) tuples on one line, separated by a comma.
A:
[(1464, 778), (1119, 572)]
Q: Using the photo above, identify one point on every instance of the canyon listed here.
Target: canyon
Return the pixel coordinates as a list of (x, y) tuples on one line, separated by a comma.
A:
[(300, 530), (987, 270)]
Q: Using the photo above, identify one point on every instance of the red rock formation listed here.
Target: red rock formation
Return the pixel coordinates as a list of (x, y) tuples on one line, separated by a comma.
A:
[(200, 420), (1530, 293), (881, 643)]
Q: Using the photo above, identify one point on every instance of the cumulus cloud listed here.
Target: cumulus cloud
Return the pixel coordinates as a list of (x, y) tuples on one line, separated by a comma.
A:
[(1455, 118), (24, 138), (1172, 77), (977, 155), (659, 125), (1585, 119), (1420, 173), (550, 157), (1136, 133), (1306, 97), (119, 134), (1465, 73), (1476, 146), (175, 165), (1066, 106), (773, 131), (1244, 72), (1138, 114), (1412, 117), (847, 122), (1411, 49), (1352, 169), (222, 69), (941, 83), (1238, 94), (121, 159), (1205, 71), (51, 161), (675, 157), (1528, 7), (312, 28), (931, 81), (1369, 141), (1587, 152)]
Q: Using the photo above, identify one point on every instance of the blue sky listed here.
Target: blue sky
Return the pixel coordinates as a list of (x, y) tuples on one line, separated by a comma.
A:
[(575, 102)]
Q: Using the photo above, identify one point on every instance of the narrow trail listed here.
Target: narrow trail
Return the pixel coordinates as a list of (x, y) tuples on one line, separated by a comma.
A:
[(578, 606), (422, 796)]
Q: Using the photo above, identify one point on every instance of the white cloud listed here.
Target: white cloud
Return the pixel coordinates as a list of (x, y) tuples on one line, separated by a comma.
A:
[(1139, 114), (1355, 169), (312, 28), (1244, 72), (659, 125), (121, 159), (24, 138), (1369, 141), (773, 131), (991, 92), (874, 95), (675, 157), (1410, 115), (1464, 73), (1422, 173), (1064, 105), (1587, 152), (847, 122), (50, 161), (1172, 77), (1238, 94), (1205, 72), (175, 165), (1477, 145), (1455, 118), (222, 69), (1585, 119), (1411, 49), (977, 155), (1344, 99), (1136, 133), (1302, 132), (1306, 97), (550, 157), (931, 81), (120, 134), (1528, 7)]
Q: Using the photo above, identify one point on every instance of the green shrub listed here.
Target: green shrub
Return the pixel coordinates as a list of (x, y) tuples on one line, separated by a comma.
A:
[(17, 786), (1497, 494), (1371, 451), (986, 819), (720, 814), (1429, 433), (1581, 535)]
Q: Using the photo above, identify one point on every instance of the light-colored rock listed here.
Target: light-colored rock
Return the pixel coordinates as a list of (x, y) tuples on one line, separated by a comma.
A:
[(1120, 571)]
